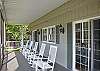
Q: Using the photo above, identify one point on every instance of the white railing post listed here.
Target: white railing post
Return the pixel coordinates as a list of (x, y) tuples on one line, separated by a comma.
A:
[(22, 38)]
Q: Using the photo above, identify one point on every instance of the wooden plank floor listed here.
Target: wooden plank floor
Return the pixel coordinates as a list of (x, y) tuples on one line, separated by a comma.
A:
[(17, 62)]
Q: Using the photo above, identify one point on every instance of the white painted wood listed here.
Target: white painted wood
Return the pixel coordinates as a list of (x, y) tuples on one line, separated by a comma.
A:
[(51, 59), (37, 56), (73, 26), (31, 54), (47, 41), (74, 40), (24, 47), (27, 50)]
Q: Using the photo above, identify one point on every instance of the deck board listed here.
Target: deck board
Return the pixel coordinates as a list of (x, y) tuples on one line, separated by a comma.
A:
[(17, 62)]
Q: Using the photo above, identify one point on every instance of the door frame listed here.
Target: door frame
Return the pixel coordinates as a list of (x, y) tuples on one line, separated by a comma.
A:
[(73, 30)]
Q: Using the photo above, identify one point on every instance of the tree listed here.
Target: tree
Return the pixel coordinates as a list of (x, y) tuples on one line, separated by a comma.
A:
[(13, 32)]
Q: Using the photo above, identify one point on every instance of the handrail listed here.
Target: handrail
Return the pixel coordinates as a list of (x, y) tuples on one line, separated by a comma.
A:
[(2, 55), (12, 41)]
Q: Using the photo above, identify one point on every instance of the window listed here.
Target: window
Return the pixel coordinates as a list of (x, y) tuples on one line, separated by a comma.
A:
[(49, 34), (45, 34), (35, 36)]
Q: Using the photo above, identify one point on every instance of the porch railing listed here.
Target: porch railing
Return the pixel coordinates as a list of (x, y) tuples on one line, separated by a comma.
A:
[(13, 44)]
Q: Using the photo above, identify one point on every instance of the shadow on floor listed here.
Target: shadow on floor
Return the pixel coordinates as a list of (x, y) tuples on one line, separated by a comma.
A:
[(6, 56), (9, 60)]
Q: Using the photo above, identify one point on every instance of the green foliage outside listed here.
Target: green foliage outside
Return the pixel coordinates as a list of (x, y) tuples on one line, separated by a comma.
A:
[(14, 32)]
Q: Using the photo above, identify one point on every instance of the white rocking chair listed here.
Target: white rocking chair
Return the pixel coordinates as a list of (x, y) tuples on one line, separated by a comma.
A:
[(27, 51), (38, 56), (24, 47), (31, 54), (49, 64)]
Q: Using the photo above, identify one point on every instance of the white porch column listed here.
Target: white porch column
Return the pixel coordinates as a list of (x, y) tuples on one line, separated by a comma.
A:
[(22, 37), (4, 34)]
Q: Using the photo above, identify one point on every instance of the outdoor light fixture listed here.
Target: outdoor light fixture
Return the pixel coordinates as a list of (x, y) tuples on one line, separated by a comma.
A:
[(61, 28)]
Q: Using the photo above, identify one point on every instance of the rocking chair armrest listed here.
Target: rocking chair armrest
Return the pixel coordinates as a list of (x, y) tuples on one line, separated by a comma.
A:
[(41, 59), (45, 59), (37, 54)]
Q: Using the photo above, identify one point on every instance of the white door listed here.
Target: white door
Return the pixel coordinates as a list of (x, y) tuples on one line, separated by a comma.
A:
[(81, 45)]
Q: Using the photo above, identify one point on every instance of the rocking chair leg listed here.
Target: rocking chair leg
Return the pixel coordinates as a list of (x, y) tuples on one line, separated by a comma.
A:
[(52, 69), (36, 68), (43, 69)]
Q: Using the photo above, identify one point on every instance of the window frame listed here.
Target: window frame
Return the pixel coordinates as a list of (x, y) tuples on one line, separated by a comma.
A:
[(43, 34), (47, 41)]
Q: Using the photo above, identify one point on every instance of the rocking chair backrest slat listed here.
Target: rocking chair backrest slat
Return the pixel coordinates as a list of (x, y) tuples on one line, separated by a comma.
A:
[(35, 46), (42, 48), (31, 43), (27, 43), (52, 53)]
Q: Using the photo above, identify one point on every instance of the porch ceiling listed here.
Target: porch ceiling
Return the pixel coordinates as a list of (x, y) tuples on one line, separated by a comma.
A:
[(26, 11)]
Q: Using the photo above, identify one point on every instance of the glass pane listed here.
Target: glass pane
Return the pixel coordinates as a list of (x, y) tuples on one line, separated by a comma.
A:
[(44, 34), (97, 55), (86, 68), (96, 65), (97, 24), (85, 25), (77, 27), (78, 58), (77, 35), (82, 67), (84, 60), (77, 50), (85, 34), (78, 44), (85, 43), (84, 51), (97, 44), (78, 66), (51, 34), (96, 34), (77, 40)]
